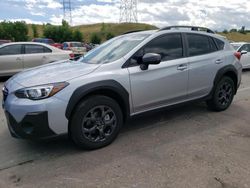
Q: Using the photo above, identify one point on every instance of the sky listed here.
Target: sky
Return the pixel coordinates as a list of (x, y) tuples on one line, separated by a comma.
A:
[(215, 14)]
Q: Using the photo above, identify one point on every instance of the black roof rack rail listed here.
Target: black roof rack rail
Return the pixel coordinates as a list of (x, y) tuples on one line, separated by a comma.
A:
[(133, 31), (193, 28)]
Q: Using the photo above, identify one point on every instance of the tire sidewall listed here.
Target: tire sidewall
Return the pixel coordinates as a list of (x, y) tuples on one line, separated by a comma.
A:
[(82, 109), (219, 106)]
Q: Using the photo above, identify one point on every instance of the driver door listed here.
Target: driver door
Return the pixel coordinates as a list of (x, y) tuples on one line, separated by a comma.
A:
[(162, 84)]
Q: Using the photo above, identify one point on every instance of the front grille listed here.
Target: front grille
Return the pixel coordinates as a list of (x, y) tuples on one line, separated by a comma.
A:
[(5, 93)]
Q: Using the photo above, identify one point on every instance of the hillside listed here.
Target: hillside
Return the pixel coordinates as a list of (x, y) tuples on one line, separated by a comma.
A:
[(118, 29), (113, 28), (237, 37), (87, 30)]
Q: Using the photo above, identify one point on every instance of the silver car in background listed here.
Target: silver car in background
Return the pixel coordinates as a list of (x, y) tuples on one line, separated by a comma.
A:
[(18, 56), (244, 48)]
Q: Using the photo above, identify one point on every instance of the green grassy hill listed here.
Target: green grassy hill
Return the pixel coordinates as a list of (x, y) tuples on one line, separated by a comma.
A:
[(87, 30), (237, 37), (113, 28), (118, 29)]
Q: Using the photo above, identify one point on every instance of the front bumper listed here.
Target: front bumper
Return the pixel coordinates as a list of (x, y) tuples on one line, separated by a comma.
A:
[(35, 119), (33, 126)]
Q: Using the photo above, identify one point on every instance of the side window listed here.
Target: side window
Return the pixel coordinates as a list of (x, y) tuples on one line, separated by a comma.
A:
[(168, 46), (220, 44), (47, 50), (199, 44), (11, 50), (245, 47), (33, 49), (248, 47)]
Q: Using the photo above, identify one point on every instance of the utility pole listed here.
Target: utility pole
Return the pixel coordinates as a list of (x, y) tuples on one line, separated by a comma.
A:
[(67, 8), (128, 11)]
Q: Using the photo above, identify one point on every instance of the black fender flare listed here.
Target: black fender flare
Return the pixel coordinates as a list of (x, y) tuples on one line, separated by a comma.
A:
[(108, 85), (222, 72)]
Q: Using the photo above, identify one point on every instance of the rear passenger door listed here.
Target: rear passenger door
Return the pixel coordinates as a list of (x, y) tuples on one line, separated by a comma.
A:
[(35, 55), (205, 59), (162, 84)]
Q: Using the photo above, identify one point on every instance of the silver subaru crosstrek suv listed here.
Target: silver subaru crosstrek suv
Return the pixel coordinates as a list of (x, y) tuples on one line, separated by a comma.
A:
[(90, 99)]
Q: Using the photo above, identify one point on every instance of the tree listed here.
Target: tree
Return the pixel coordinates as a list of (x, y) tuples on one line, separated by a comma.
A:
[(103, 28), (34, 29), (77, 36), (59, 33), (109, 36), (233, 30), (95, 38), (225, 31), (15, 31)]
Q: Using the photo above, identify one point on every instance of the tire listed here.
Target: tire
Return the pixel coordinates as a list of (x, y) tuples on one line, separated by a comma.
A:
[(96, 122), (223, 95)]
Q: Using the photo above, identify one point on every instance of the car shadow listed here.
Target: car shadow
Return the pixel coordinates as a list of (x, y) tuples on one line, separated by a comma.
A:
[(63, 145), (180, 121), (4, 78)]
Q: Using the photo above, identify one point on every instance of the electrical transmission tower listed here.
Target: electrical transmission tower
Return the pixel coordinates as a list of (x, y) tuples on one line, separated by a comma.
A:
[(128, 11), (67, 7)]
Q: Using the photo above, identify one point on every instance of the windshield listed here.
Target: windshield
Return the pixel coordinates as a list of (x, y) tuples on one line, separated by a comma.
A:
[(236, 46), (113, 49)]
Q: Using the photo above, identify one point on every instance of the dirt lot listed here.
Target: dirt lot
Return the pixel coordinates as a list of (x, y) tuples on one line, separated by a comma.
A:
[(183, 147)]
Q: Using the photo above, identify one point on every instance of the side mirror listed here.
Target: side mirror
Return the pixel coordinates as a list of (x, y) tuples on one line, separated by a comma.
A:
[(150, 59), (243, 52)]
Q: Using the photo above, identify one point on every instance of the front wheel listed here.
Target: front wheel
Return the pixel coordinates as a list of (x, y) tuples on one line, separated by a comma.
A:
[(96, 122), (223, 95)]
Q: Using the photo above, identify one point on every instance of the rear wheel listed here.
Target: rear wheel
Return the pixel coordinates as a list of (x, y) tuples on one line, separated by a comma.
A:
[(223, 95), (96, 122)]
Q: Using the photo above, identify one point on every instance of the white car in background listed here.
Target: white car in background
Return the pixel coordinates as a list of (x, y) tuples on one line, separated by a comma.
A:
[(76, 47), (244, 48), (18, 56)]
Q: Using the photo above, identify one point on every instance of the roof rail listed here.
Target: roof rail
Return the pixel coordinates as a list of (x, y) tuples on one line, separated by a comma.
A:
[(193, 28), (133, 31)]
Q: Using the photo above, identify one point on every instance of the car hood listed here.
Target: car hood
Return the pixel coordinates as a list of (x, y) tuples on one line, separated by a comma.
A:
[(51, 73)]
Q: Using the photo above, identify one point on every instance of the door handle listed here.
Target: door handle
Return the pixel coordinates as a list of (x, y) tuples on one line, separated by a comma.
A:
[(182, 67), (44, 57), (218, 61), (18, 59)]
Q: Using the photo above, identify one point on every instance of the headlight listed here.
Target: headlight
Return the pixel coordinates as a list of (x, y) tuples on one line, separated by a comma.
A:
[(40, 92)]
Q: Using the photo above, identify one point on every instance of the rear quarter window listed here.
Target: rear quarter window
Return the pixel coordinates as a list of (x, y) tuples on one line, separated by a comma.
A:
[(220, 44)]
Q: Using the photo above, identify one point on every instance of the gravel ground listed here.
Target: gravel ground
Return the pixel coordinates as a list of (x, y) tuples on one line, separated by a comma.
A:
[(182, 147)]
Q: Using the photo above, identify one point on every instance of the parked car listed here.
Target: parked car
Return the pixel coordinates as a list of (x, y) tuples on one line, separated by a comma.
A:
[(76, 47), (244, 48), (4, 41), (48, 41), (130, 74), (15, 57)]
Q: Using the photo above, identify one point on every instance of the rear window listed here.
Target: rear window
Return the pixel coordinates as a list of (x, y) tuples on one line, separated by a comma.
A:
[(34, 49), (220, 44), (76, 44)]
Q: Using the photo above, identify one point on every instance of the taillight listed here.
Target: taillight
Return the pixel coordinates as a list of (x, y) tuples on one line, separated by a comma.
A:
[(72, 56), (237, 55)]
